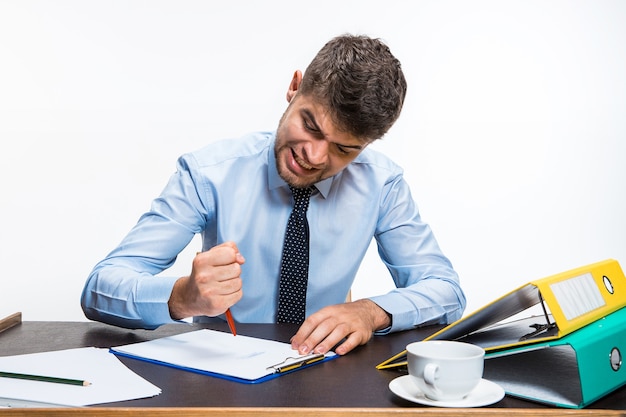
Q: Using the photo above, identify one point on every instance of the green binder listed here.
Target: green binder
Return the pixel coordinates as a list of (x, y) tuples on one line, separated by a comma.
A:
[(572, 371)]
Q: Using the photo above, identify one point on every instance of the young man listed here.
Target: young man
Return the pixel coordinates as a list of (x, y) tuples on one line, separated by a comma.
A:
[(238, 195)]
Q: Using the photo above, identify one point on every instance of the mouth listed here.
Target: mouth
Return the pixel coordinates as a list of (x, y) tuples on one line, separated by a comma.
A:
[(296, 171), (301, 162)]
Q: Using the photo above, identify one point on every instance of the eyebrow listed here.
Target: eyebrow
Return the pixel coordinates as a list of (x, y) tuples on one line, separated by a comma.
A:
[(307, 113)]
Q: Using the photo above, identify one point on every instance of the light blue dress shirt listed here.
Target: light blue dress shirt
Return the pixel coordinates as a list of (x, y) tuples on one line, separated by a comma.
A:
[(231, 190)]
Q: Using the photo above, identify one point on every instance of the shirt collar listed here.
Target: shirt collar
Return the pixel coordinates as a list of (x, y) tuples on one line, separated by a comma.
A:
[(275, 181)]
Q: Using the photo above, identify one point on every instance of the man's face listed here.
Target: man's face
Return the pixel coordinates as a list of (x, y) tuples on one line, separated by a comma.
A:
[(309, 147)]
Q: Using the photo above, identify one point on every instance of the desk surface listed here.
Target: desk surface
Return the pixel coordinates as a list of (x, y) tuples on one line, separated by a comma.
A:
[(339, 387)]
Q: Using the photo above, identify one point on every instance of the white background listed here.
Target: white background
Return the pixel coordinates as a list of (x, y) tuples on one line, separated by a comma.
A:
[(513, 136)]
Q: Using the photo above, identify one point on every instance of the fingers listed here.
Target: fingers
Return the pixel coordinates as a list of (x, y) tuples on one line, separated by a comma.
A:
[(205, 272), (318, 334), (213, 285), (224, 254), (218, 270), (238, 256), (328, 327), (222, 261)]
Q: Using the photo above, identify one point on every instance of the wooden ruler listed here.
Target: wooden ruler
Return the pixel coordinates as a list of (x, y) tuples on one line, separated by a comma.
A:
[(10, 321)]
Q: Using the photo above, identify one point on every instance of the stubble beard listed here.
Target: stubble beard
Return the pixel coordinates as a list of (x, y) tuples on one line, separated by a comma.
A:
[(284, 172)]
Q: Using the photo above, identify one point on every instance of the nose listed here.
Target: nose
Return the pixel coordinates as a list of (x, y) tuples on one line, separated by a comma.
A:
[(317, 152)]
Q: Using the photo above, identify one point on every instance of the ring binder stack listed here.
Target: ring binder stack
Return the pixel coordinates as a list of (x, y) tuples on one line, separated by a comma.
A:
[(589, 359), (580, 336)]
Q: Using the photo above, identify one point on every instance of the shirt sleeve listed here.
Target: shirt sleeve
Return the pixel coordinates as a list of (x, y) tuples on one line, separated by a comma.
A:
[(123, 288), (427, 287)]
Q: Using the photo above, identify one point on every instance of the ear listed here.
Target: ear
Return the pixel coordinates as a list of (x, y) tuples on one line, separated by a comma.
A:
[(294, 85)]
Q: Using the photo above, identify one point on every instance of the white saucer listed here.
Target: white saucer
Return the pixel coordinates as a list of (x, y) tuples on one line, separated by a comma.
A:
[(485, 393)]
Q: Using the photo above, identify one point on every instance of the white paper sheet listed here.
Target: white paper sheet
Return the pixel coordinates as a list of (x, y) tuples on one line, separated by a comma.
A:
[(216, 352), (110, 379)]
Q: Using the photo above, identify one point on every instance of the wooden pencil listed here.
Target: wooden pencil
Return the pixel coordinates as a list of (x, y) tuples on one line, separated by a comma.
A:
[(43, 378)]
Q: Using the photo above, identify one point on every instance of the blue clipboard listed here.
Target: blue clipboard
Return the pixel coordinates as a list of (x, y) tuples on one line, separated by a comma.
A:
[(242, 359)]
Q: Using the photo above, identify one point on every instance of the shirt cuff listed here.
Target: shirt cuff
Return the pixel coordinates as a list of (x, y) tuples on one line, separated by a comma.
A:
[(153, 307), (402, 312)]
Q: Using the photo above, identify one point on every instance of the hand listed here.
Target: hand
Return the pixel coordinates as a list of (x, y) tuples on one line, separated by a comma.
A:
[(354, 321), (213, 286)]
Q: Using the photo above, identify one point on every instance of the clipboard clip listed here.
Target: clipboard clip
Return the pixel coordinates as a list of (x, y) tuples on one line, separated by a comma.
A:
[(292, 363)]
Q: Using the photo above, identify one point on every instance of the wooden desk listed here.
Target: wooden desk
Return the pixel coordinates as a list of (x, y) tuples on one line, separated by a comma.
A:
[(347, 386)]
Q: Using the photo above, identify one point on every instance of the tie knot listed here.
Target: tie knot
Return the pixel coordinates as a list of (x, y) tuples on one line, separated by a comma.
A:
[(301, 194), (301, 199)]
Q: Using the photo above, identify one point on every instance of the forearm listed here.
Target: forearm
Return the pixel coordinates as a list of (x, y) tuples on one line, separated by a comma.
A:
[(379, 318), (127, 299), (429, 301)]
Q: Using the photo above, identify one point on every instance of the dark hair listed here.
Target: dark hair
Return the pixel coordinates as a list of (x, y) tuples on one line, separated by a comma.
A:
[(360, 82)]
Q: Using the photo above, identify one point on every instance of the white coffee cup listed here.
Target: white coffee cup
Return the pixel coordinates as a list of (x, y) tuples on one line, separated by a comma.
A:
[(445, 370)]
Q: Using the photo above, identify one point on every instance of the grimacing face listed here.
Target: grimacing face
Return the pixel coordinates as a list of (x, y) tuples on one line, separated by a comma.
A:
[(309, 147)]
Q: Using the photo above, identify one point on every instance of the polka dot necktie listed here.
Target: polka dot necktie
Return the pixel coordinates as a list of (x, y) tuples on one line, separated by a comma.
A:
[(294, 268)]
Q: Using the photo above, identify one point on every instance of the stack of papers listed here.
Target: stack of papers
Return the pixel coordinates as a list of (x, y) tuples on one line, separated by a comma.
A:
[(110, 380)]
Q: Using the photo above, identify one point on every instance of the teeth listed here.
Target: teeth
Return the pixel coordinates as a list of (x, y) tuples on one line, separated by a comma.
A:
[(303, 164)]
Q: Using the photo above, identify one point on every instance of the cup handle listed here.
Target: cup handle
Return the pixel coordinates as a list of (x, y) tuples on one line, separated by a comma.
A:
[(430, 374)]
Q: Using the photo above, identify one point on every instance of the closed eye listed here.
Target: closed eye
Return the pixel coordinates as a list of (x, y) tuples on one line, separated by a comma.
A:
[(309, 124), (309, 127), (343, 150)]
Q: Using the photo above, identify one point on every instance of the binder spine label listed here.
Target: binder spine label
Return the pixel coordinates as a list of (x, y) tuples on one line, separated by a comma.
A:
[(577, 296)]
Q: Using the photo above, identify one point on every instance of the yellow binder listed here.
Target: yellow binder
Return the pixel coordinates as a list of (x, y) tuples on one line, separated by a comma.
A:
[(569, 300)]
